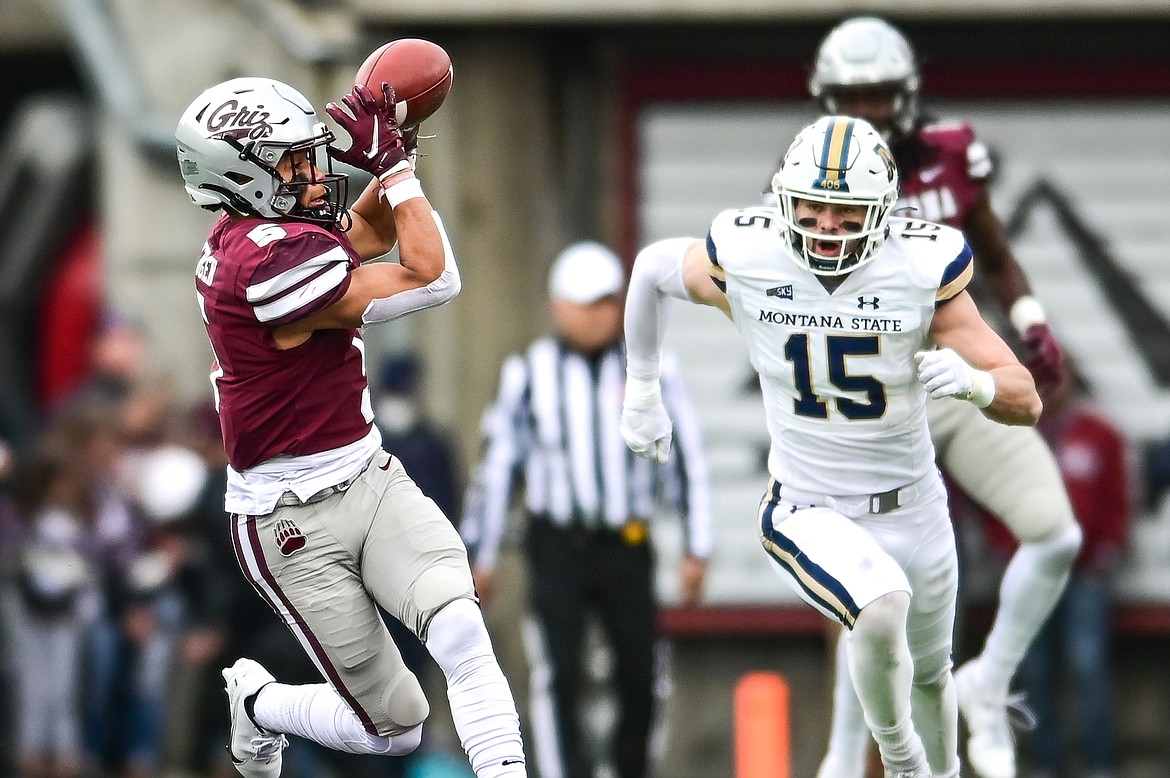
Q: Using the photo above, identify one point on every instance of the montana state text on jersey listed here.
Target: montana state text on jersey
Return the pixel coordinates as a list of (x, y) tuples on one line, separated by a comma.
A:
[(837, 369), (830, 321)]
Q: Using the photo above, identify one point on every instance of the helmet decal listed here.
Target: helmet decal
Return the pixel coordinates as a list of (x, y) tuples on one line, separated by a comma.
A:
[(835, 156), (887, 157), (239, 121)]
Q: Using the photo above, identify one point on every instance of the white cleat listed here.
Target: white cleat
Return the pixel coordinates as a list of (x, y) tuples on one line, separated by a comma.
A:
[(991, 750), (256, 753)]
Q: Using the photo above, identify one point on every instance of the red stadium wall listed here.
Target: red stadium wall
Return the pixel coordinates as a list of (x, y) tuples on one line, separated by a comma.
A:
[(70, 311)]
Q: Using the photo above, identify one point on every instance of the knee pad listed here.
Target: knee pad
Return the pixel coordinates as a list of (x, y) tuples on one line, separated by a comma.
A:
[(404, 704), (1041, 515), (882, 620)]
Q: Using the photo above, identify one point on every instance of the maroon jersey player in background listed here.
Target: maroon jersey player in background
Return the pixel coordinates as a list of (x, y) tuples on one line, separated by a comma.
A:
[(866, 68), (326, 525)]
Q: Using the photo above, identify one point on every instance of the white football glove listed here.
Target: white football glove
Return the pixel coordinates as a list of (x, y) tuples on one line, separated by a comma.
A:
[(945, 374), (646, 427)]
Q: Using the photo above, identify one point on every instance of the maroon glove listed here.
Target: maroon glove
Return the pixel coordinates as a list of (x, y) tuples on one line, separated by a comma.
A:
[(1044, 358), (377, 144)]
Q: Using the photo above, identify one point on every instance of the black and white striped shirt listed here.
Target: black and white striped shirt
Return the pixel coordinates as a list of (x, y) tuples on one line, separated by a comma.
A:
[(556, 425)]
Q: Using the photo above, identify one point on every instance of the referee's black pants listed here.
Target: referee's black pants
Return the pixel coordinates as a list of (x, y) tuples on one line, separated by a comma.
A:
[(573, 572)]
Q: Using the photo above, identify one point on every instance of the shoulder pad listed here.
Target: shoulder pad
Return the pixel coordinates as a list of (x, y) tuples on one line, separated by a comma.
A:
[(293, 273), (732, 221), (743, 228), (957, 140), (937, 256), (952, 135)]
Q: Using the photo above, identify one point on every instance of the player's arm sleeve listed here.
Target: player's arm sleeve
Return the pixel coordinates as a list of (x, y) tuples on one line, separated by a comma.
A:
[(657, 276), (301, 275), (689, 463), (441, 290), (506, 432)]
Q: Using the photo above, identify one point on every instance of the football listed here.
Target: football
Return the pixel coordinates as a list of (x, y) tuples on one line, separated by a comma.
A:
[(419, 71)]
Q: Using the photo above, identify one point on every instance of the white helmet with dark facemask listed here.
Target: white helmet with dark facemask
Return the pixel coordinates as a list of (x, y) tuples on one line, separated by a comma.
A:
[(838, 160), (231, 138), (868, 53)]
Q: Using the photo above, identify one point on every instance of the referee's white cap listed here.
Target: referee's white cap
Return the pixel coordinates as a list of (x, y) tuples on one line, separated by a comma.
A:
[(585, 273)]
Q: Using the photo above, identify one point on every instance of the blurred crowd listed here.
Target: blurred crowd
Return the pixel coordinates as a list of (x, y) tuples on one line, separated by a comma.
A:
[(120, 596), (115, 569), (121, 599)]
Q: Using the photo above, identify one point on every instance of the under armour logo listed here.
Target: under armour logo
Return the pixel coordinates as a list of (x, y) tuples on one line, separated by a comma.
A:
[(289, 537), (872, 302), (783, 292)]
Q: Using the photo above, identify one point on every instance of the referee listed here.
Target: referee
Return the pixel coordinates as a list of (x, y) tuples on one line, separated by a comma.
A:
[(554, 427)]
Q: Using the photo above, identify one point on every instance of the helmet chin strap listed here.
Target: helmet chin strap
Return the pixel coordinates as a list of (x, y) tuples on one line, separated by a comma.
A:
[(847, 260)]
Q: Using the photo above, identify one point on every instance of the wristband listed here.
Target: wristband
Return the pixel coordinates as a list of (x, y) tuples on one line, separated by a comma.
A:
[(982, 389), (1026, 312), (642, 393), (403, 191), (399, 184)]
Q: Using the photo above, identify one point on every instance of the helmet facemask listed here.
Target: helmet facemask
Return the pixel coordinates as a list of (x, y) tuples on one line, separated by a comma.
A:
[(288, 195), (838, 161), (902, 101)]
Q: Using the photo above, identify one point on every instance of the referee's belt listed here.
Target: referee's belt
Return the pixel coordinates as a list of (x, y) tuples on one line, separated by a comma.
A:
[(291, 500), (635, 532), (854, 505)]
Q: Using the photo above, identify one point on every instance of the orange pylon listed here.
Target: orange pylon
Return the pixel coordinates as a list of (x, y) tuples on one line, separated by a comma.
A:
[(762, 736)]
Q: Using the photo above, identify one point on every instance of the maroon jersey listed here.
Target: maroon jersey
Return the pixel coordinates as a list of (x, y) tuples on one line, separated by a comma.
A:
[(256, 274), (948, 173)]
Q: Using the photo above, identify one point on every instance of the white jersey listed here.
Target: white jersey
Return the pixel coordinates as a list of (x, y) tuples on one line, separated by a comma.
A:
[(846, 413)]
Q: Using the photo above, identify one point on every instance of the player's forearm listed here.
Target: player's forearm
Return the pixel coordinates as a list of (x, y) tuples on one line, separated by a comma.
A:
[(1016, 401), (421, 239), (656, 276), (429, 261), (380, 215)]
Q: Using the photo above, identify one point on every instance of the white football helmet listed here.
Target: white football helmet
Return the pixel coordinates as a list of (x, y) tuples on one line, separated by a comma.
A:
[(838, 160), (867, 52), (231, 138)]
